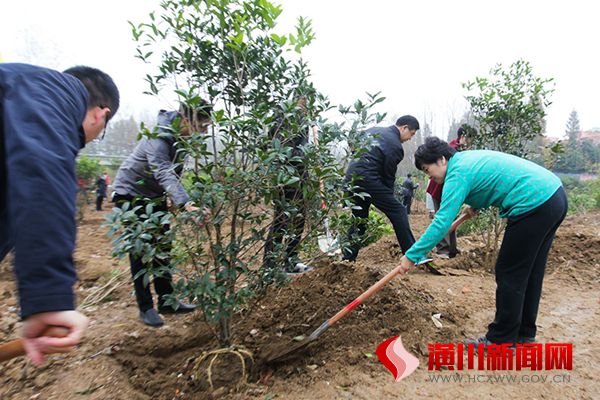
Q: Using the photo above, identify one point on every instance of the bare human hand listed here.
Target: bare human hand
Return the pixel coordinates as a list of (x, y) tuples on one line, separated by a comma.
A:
[(405, 264), (37, 346)]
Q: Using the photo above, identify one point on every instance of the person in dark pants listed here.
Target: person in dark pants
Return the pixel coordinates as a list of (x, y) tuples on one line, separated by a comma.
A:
[(147, 176), (447, 247), (46, 117), (100, 192), (409, 192), (534, 203), (162, 283), (374, 173), (285, 233)]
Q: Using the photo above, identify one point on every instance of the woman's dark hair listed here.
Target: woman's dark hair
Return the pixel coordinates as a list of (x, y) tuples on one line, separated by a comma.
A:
[(465, 130), (433, 150)]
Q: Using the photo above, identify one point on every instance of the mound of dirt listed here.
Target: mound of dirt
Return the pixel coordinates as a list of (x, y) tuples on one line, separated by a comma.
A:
[(121, 358), (313, 298), (160, 363)]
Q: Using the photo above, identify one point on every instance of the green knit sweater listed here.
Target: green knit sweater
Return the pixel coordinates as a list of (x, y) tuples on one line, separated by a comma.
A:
[(483, 178)]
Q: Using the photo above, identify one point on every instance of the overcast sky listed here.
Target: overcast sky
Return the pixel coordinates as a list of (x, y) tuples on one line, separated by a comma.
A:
[(417, 52)]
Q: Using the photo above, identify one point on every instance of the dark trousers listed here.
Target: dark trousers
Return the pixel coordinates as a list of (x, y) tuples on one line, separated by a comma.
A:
[(99, 201), (286, 230), (162, 284), (408, 199), (382, 197), (520, 269), (448, 244)]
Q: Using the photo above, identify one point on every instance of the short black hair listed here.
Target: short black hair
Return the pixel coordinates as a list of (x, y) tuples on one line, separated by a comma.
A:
[(199, 110), (409, 175), (409, 120), (431, 151), (465, 130), (101, 88)]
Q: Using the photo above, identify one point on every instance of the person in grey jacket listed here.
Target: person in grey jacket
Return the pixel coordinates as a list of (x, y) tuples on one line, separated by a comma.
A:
[(152, 171)]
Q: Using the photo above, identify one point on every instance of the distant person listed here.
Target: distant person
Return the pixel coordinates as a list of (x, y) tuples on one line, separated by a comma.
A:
[(409, 192), (292, 129), (46, 117), (375, 173), (150, 174), (100, 191), (447, 247), (429, 205), (533, 201)]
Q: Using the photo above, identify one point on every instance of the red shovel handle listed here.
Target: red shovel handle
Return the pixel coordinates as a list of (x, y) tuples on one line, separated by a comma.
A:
[(15, 348), (459, 221)]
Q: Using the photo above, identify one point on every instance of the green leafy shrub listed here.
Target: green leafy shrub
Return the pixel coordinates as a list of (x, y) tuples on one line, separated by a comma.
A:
[(230, 53)]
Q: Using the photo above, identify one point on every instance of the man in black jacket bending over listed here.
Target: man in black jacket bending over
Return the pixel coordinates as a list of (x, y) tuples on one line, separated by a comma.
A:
[(375, 173)]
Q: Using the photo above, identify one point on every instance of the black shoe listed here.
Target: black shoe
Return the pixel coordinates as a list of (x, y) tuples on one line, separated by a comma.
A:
[(179, 308), (526, 339), (151, 318)]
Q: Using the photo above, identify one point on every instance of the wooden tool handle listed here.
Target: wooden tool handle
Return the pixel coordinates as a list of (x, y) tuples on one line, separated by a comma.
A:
[(370, 292), (15, 348), (459, 221)]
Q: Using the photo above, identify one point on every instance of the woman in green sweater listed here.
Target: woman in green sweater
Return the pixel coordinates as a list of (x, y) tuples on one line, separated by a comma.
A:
[(534, 203)]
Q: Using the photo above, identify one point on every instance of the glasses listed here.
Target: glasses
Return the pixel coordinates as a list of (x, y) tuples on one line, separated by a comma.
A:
[(106, 119)]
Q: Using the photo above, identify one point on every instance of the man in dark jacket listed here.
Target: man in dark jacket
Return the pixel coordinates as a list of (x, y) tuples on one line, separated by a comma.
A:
[(285, 233), (46, 117), (409, 192), (374, 173), (100, 191), (149, 173)]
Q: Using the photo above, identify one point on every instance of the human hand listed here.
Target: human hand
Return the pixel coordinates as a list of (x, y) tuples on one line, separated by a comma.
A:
[(405, 264), (201, 216), (203, 220), (190, 207), (37, 346)]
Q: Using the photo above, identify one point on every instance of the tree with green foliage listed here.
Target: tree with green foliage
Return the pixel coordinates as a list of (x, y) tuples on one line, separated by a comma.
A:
[(572, 159), (230, 53), (87, 169), (509, 107), (573, 130)]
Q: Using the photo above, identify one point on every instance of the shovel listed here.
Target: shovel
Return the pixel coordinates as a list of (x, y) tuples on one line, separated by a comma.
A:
[(327, 243), (15, 348), (458, 222), (282, 353)]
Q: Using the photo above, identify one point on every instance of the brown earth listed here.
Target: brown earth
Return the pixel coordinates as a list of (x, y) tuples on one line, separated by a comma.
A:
[(123, 359)]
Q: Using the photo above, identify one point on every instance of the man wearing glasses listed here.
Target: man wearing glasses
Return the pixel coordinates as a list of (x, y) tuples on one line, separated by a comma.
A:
[(46, 117)]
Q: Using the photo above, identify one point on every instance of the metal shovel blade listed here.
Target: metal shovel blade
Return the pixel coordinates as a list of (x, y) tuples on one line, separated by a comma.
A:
[(329, 245)]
